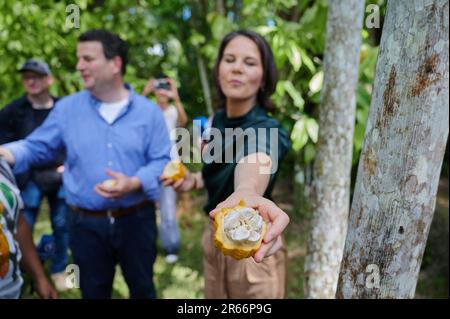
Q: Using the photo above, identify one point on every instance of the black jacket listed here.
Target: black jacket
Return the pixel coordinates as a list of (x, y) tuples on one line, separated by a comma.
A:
[(18, 120)]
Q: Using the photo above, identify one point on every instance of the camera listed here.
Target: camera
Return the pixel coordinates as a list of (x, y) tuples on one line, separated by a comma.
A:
[(162, 84)]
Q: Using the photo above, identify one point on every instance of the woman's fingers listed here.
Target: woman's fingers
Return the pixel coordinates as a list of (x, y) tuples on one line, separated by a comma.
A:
[(279, 221), (166, 181), (178, 184), (270, 212), (268, 249), (231, 201)]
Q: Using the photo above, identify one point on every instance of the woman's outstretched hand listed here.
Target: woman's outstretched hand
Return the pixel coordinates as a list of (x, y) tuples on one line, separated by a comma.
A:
[(276, 219)]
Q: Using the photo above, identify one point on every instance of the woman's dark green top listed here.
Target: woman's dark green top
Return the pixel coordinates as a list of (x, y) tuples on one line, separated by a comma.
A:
[(231, 139)]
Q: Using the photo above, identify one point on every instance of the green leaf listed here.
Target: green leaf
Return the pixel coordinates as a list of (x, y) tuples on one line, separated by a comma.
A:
[(299, 135), (307, 61), (309, 153), (312, 127), (315, 85), (309, 15), (362, 97), (294, 56), (315, 98), (358, 138), (286, 3), (280, 90), (197, 39), (220, 26), (294, 94), (265, 30), (361, 115), (368, 60)]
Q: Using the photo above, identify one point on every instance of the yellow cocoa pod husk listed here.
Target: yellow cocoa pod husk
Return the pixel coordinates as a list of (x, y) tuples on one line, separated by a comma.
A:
[(4, 254), (174, 170), (228, 247)]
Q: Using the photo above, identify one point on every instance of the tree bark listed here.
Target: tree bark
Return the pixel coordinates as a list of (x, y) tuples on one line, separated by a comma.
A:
[(220, 7), (332, 167), (405, 139), (205, 85)]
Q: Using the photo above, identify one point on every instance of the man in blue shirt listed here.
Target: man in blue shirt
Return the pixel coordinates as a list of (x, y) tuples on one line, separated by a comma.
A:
[(116, 145)]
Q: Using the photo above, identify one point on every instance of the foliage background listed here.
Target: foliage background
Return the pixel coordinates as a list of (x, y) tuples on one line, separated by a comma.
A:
[(181, 38)]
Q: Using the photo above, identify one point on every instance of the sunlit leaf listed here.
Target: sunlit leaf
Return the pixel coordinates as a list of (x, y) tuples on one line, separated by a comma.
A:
[(294, 56), (312, 127), (294, 94), (315, 85), (299, 135)]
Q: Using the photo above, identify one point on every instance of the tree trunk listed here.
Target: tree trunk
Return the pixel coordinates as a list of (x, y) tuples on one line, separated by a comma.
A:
[(332, 167), (404, 146), (205, 84), (302, 188), (220, 7)]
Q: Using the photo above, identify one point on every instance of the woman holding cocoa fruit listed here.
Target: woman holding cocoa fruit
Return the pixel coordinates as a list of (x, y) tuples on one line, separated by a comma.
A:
[(239, 175)]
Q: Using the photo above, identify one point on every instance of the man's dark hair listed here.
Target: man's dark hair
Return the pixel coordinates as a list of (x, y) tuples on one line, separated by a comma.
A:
[(112, 44), (270, 75)]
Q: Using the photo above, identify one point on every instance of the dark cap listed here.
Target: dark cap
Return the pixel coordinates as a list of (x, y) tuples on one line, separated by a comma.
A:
[(36, 66)]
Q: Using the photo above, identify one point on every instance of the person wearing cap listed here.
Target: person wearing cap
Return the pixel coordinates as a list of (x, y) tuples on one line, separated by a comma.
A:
[(17, 120), (117, 145)]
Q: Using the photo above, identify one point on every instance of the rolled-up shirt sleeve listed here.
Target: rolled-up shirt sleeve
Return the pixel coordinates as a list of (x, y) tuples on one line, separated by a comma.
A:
[(41, 146), (158, 155)]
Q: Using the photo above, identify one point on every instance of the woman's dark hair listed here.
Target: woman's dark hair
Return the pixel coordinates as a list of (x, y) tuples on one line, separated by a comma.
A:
[(270, 76), (112, 44)]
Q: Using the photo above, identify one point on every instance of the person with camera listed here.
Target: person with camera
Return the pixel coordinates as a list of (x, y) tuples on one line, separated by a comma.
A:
[(166, 91), (17, 120)]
